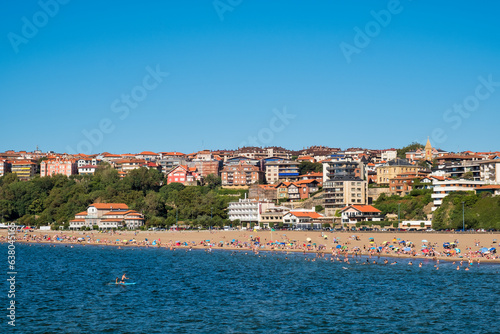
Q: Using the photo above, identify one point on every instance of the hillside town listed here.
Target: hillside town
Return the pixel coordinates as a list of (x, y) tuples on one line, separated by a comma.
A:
[(291, 189)]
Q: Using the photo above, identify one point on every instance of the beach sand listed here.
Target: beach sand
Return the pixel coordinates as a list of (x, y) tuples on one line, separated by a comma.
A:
[(465, 241)]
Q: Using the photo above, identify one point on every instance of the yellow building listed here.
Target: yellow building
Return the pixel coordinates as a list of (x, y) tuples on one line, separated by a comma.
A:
[(393, 169), (24, 169)]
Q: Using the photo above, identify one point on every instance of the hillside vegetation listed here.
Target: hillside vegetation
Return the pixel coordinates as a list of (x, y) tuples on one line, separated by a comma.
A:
[(481, 211), (411, 206), (56, 199)]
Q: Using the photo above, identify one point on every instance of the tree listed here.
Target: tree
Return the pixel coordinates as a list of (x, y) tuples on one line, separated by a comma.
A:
[(401, 153), (319, 208), (213, 181), (422, 224), (308, 167), (468, 176)]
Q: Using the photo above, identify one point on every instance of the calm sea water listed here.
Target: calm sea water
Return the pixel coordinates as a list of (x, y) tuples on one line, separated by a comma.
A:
[(69, 290)]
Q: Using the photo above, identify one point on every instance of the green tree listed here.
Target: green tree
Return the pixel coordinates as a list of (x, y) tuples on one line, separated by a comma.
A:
[(401, 153), (307, 167), (213, 181)]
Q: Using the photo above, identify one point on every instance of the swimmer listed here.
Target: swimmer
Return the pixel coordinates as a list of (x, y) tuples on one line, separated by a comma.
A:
[(420, 265), (410, 263), (466, 268)]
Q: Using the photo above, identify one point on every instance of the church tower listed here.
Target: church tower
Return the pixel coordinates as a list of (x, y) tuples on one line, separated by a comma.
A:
[(428, 150)]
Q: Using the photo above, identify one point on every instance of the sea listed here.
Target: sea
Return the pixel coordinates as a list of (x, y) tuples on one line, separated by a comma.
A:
[(71, 289)]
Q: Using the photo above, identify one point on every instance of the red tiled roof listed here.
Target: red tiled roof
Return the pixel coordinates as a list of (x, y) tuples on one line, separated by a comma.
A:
[(103, 206), (362, 208), (83, 213), (77, 220), (310, 214), (489, 186), (148, 153)]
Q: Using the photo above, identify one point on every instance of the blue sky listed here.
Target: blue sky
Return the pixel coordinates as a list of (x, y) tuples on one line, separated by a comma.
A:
[(234, 66)]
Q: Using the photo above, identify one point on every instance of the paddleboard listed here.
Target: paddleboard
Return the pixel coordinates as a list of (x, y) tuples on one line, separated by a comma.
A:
[(126, 283)]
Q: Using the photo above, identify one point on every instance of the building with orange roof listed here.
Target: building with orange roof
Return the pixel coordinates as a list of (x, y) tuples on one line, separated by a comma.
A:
[(306, 158), (188, 176), (493, 189), (318, 176), (147, 156), (242, 174), (302, 219), (354, 213), (107, 216)]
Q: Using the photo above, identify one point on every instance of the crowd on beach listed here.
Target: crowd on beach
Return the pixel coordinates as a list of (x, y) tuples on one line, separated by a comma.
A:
[(395, 247)]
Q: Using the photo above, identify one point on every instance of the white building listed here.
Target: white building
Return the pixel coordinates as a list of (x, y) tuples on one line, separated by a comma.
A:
[(490, 171), (443, 188), (248, 210), (107, 216), (388, 155)]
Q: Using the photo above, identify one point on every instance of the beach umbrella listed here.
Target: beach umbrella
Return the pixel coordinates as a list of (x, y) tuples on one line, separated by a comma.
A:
[(338, 246), (371, 238), (373, 248), (484, 250), (493, 249), (425, 240), (457, 250), (308, 239), (407, 249), (425, 250)]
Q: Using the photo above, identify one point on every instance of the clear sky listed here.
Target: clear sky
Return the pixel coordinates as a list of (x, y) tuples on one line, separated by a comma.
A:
[(128, 76)]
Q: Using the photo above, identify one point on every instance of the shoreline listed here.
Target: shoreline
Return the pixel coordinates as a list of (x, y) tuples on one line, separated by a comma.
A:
[(331, 242)]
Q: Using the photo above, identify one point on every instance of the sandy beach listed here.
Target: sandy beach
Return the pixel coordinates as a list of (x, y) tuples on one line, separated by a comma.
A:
[(393, 244)]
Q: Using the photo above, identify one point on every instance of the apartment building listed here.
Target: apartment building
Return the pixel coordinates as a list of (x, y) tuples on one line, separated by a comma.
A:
[(4, 167), (248, 210), (443, 188), (242, 174), (345, 182), (394, 168), (279, 171), (57, 165), (24, 169), (489, 171)]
